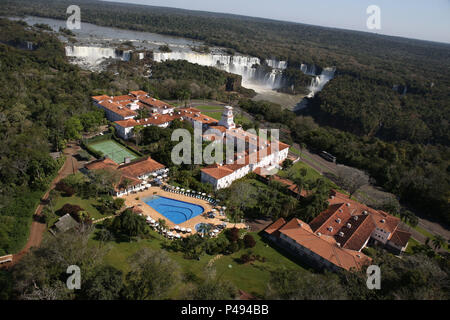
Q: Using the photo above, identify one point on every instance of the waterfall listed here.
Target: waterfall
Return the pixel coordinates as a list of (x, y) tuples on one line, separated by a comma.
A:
[(318, 82), (277, 64), (309, 70), (93, 56), (245, 66)]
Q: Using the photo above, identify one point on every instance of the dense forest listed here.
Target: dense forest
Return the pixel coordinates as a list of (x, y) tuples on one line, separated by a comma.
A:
[(44, 102)]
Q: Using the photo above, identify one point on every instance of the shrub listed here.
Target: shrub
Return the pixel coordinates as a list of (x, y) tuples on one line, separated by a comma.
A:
[(65, 189), (71, 209), (232, 234), (249, 241), (245, 258)]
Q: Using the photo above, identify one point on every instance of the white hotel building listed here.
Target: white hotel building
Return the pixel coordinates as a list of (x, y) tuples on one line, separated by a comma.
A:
[(258, 153)]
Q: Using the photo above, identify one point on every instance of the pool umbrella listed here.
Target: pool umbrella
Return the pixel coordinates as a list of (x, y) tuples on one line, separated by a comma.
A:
[(183, 229), (149, 219), (178, 188), (182, 190), (176, 227), (164, 175), (203, 194), (154, 174), (215, 231), (178, 236), (169, 234), (188, 191), (224, 208), (164, 231)]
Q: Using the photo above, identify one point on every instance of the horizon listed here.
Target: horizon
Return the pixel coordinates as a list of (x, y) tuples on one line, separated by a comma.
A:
[(395, 21)]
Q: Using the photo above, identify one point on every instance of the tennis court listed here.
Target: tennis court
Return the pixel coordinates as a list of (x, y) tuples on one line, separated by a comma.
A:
[(113, 150)]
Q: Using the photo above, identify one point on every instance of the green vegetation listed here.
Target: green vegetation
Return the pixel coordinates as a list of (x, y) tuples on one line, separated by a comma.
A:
[(250, 277), (90, 205), (208, 108), (215, 115)]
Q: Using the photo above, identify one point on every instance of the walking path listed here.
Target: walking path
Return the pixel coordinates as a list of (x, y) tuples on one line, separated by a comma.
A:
[(38, 228)]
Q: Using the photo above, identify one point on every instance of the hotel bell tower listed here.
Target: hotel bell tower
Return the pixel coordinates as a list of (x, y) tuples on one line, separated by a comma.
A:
[(227, 118)]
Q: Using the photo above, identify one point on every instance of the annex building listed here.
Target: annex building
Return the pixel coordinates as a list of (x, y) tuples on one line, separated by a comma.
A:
[(335, 238)]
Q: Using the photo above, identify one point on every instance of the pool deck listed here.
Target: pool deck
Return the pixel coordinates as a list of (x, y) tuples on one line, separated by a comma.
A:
[(130, 201)]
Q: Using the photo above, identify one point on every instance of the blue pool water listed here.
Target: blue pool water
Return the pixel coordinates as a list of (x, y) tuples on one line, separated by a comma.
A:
[(174, 210)]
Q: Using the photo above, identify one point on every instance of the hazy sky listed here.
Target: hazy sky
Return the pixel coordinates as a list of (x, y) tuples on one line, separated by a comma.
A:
[(420, 19)]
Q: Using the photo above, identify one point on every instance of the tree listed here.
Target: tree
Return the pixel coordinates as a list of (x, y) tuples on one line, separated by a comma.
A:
[(297, 285), (249, 241), (104, 284), (152, 275), (138, 133), (41, 274), (351, 179), (287, 164), (232, 234), (212, 288), (129, 224), (438, 242), (104, 180), (73, 128)]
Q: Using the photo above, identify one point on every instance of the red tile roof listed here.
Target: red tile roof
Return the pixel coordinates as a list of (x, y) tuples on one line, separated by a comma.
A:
[(381, 219), (138, 93), (101, 164), (199, 118), (155, 103), (155, 120), (140, 167), (323, 246), (275, 226), (400, 238), (117, 108), (219, 171), (122, 98)]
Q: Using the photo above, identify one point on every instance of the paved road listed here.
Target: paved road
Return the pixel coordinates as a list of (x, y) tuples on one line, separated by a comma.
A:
[(37, 228)]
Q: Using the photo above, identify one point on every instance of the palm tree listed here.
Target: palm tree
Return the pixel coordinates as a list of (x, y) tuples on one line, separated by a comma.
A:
[(438, 242), (162, 224)]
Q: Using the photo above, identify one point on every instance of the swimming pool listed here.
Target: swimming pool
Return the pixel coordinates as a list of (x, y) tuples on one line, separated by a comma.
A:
[(175, 210)]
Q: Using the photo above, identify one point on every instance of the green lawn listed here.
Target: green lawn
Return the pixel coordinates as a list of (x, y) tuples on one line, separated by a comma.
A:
[(208, 108), (411, 243), (215, 115), (86, 204), (251, 277), (311, 174)]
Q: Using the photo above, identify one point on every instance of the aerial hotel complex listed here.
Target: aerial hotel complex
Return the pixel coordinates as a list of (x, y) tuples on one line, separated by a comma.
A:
[(334, 239), (256, 152)]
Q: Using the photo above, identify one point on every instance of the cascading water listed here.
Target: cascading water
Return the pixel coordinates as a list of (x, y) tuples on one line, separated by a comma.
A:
[(94, 56), (245, 66), (318, 82), (309, 70)]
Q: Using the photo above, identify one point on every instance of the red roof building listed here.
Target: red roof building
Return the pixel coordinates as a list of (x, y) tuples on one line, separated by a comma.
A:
[(335, 238)]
